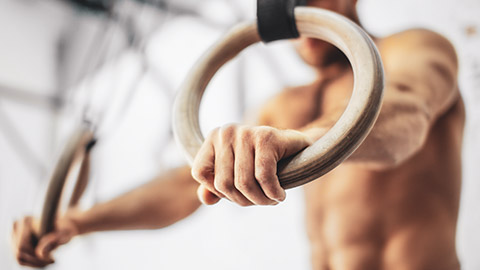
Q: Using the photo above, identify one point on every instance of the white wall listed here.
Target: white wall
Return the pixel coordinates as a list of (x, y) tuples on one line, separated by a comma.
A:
[(221, 237)]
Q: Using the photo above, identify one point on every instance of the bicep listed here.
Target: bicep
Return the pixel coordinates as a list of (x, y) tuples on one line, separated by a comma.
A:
[(423, 72), (420, 86)]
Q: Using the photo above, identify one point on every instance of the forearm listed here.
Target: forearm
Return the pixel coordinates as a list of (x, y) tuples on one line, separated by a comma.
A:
[(162, 202), (404, 123), (399, 132)]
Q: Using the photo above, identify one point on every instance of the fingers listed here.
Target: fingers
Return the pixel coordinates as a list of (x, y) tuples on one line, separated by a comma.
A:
[(245, 180), (206, 197), (23, 241), (203, 168), (46, 245), (292, 142), (24, 235), (266, 175), (269, 151), (28, 259), (224, 166), (240, 164)]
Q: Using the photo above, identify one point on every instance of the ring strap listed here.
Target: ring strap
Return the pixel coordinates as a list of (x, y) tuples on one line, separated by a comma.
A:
[(90, 144), (276, 19)]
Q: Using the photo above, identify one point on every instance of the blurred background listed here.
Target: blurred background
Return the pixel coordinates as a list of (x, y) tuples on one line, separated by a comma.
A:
[(61, 63)]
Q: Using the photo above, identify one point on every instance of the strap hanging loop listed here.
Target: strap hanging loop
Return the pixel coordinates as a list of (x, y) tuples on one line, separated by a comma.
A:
[(276, 19)]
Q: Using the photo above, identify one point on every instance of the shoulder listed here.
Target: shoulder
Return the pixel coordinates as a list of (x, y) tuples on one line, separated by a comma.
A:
[(417, 37), (412, 42), (421, 67), (419, 55)]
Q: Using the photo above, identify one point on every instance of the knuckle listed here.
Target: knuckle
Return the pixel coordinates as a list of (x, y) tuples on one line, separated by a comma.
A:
[(244, 133), (196, 173), (244, 184), (201, 173), (264, 135), (213, 133), (228, 128), (262, 175), (227, 132), (223, 186)]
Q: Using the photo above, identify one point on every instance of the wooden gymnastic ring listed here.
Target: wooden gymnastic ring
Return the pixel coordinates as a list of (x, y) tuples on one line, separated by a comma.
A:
[(75, 153), (342, 139)]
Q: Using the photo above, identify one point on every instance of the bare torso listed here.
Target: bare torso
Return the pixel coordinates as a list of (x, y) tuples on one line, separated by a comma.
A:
[(399, 218)]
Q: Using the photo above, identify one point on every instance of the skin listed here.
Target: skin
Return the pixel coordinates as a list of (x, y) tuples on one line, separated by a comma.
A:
[(159, 203), (392, 205)]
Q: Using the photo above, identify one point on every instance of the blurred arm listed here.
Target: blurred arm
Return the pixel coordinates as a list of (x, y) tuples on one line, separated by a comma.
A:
[(421, 84), (157, 204)]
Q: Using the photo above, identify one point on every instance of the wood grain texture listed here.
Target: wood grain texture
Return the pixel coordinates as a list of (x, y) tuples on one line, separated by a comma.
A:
[(342, 139), (75, 154)]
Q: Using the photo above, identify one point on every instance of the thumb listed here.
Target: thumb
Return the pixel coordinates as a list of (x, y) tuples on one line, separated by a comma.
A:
[(206, 197), (293, 142), (46, 245)]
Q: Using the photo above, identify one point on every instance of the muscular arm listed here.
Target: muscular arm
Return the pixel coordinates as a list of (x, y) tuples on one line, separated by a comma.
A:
[(421, 71), (421, 85), (239, 162), (157, 204)]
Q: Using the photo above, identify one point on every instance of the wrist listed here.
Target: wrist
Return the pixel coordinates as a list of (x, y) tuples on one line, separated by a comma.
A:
[(74, 220)]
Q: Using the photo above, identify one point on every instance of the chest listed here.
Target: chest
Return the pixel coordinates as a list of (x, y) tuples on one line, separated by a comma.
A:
[(309, 103)]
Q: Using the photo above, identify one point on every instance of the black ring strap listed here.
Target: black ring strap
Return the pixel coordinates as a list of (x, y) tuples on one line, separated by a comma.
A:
[(276, 19)]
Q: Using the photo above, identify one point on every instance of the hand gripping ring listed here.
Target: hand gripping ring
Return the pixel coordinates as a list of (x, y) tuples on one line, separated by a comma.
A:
[(342, 139), (73, 165)]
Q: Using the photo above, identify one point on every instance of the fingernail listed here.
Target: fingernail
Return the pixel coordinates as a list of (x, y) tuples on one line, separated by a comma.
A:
[(274, 202), (282, 199)]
